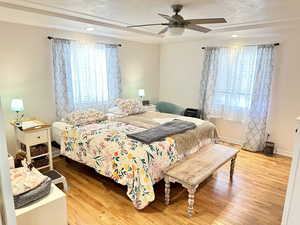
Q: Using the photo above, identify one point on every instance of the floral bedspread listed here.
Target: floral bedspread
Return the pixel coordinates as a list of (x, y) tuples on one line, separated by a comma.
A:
[(106, 148)]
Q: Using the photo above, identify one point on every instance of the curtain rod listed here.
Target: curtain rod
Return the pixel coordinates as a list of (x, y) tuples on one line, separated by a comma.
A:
[(275, 44), (119, 45)]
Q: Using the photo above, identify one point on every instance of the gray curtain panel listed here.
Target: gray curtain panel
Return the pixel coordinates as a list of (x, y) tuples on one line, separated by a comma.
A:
[(255, 134), (114, 82), (86, 75), (61, 53), (208, 81)]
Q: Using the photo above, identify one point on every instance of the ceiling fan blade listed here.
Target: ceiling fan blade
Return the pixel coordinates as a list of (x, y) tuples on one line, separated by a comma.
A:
[(145, 25), (206, 21), (198, 28), (169, 18), (163, 30)]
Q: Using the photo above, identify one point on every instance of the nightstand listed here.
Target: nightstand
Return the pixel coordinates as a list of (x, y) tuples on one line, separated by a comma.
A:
[(36, 141), (150, 108)]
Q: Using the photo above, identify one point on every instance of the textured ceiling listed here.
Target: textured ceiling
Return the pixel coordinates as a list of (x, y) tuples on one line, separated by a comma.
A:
[(145, 11), (238, 13)]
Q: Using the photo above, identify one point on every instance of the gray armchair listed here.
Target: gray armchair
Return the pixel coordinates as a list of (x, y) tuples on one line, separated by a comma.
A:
[(167, 107)]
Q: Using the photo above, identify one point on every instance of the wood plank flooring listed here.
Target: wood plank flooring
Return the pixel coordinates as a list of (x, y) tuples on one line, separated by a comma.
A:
[(256, 196)]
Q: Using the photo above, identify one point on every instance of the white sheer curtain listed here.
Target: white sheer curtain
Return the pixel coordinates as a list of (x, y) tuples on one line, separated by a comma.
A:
[(87, 75), (236, 86), (231, 82)]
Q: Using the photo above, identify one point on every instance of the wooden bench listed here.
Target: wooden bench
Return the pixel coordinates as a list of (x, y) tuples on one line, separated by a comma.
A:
[(197, 167)]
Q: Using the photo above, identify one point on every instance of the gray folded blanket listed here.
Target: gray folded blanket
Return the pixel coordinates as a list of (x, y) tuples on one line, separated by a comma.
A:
[(160, 132)]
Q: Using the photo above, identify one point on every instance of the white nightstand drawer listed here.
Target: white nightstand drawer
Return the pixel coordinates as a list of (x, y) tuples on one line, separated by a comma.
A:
[(37, 137), (33, 138)]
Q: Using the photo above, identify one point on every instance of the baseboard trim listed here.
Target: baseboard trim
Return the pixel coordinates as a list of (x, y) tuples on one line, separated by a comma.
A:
[(231, 140), (279, 151)]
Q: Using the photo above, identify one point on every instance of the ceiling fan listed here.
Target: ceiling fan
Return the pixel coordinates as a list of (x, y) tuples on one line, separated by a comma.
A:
[(177, 24)]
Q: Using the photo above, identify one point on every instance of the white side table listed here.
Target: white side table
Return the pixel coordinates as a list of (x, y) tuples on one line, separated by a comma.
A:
[(35, 136), (50, 210)]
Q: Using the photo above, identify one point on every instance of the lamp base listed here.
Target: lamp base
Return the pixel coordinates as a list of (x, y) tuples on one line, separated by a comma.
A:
[(18, 124)]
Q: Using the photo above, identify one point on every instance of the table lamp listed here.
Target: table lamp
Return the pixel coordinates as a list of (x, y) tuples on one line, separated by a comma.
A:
[(17, 106), (141, 93)]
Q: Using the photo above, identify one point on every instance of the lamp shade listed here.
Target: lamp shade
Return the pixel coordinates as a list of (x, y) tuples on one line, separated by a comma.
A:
[(176, 31), (141, 92), (17, 105)]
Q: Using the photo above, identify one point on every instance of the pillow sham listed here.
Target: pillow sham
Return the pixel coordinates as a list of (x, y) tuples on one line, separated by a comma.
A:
[(85, 117), (116, 110), (130, 106)]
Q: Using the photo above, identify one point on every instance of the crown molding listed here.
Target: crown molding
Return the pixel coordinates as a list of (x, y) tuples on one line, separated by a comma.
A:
[(74, 16)]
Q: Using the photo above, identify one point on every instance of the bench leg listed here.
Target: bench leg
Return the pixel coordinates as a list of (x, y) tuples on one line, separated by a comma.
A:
[(167, 190), (232, 165), (191, 201)]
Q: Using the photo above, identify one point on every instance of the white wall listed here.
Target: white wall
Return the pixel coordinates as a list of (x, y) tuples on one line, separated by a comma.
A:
[(25, 70), (180, 75)]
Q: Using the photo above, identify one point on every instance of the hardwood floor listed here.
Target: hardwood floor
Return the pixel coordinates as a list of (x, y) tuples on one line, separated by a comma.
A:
[(256, 196)]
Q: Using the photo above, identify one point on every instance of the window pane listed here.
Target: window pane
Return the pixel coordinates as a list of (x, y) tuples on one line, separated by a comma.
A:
[(89, 74), (235, 74)]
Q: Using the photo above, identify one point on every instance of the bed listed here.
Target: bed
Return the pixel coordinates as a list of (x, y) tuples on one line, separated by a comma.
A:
[(105, 147)]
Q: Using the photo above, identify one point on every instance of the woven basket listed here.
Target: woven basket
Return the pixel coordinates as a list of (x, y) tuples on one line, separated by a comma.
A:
[(36, 150), (40, 162)]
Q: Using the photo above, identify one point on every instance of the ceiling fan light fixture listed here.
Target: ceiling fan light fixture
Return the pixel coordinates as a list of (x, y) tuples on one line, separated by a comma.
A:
[(176, 31), (90, 29)]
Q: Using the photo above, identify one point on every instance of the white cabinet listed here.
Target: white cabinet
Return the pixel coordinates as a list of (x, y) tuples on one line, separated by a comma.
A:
[(291, 215), (50, 210)]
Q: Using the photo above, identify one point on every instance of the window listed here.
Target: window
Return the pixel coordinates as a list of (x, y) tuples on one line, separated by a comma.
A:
[(236, 85), (86, 75), (89, 74), (234, 79)]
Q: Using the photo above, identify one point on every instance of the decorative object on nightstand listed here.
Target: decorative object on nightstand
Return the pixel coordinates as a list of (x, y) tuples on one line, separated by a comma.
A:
[(17, 106), (150, 108), (57, 178), (33, 136)]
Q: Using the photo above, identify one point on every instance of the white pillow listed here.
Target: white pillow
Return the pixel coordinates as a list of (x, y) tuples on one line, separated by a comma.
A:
[(116, 110)]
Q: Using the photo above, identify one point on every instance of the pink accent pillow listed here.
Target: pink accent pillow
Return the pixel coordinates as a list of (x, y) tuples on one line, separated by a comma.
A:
[(130, 106)]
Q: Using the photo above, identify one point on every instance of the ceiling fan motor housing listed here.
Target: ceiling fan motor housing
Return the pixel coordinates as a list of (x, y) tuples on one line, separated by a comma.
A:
[(178, 21), (177, 8)]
